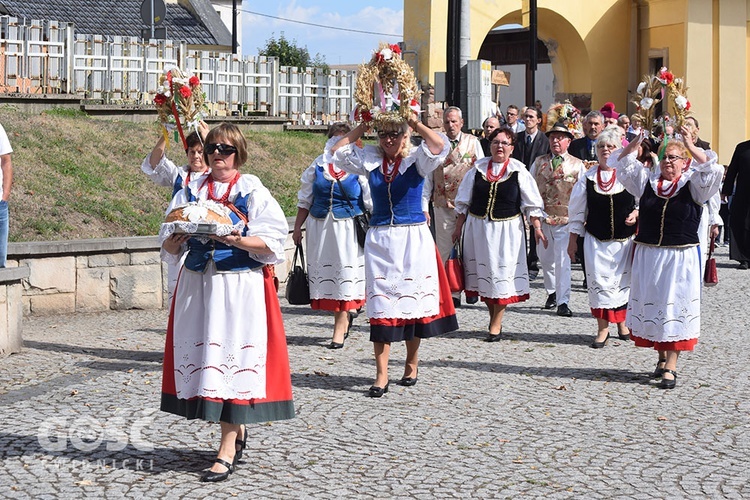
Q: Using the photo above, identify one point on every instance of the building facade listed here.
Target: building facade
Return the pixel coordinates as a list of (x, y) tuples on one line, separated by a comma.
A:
[(600, 50)]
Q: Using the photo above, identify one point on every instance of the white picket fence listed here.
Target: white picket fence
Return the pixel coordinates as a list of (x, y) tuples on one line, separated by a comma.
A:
[(48, 57)]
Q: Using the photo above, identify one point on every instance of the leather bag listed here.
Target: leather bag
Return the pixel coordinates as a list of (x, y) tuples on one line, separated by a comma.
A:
[(454, 269), (361, 222), (297, 286), (711, 276)]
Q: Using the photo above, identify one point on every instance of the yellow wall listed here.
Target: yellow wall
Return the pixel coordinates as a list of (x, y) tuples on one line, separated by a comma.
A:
[(707, 42)]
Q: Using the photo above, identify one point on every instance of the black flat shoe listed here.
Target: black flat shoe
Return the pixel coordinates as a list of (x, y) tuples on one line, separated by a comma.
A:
[(551, 301), (214, 477), (667, 383), (377, 392), (407, 381), (472, 300), (336, 345), (564, 310), (493, 337), (599, 345), (242, 443), (658, 371)]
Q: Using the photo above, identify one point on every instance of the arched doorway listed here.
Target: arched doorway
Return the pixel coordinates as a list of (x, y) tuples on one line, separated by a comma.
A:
[(564, 66)]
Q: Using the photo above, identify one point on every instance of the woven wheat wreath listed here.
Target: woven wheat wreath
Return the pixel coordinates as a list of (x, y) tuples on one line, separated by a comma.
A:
[(383, 85)]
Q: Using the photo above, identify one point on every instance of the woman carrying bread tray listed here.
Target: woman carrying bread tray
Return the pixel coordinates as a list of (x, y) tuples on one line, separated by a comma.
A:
[(226, 357), (163, 172), (329, 199)]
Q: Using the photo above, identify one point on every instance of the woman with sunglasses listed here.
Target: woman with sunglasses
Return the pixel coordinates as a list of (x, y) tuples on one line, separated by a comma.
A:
[(665, 287), (163, 172), (603, 211), (491, 198), (328, 200), (226, 358), (407, 291)]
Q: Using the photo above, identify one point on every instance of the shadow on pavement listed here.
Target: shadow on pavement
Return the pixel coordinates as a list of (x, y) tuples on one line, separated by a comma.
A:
[(149, 356)]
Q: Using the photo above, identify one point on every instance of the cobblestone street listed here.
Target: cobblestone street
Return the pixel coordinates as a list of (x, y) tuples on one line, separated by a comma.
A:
[(538, 414)]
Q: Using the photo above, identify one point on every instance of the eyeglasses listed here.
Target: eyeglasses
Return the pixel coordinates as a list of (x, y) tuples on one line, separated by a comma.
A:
[(558, 138), (223, 149), (673, 158), (606, 146), (504, 144), (390, 135)]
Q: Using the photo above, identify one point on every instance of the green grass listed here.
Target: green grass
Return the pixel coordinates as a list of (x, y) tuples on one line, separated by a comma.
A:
[(78, 177)]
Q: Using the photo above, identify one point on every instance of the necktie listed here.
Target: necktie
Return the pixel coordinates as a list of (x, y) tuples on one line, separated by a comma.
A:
[(527, 151), (592, 150), (556, 161), (454, 144)]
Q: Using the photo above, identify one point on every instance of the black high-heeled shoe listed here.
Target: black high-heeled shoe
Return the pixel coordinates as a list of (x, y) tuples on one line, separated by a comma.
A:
[(377, 392), (408, 381), (242, 443), (336, 345), (658, 372), (668, 383), (599, 345), (214, 477)]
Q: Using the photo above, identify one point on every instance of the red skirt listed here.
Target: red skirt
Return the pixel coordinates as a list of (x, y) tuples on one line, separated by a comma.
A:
[(336, 305), (388, 330), (616, 315), (679, 345), (501, 302), (278, 403)]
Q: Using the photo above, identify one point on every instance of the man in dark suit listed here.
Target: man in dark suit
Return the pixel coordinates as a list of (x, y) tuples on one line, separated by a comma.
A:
[(530, 144), (585, 147), (489, 125)]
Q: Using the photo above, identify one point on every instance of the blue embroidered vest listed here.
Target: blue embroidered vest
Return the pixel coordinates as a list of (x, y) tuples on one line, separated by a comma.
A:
[(227, 258), (398, 202), (328, 197)]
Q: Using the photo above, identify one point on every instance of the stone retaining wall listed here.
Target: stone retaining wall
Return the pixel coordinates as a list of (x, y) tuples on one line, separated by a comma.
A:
[(11, 309), (63, 277)]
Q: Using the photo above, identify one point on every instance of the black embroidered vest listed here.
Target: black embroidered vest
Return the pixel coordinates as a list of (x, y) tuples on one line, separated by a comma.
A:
[(607, 214), (499, 200), (668, 222)]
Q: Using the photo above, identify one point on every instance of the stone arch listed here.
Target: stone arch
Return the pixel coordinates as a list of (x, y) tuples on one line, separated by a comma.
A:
[(567, 50)]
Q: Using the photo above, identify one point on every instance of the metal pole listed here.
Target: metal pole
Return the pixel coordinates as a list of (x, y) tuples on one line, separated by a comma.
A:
[(234, 27), (531, 88), (152, 19)]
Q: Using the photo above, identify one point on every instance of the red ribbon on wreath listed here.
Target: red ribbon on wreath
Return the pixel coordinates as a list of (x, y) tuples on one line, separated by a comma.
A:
[(179, 125)]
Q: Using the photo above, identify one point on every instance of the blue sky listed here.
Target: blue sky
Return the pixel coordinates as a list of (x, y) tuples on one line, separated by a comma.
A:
[(385, 17)]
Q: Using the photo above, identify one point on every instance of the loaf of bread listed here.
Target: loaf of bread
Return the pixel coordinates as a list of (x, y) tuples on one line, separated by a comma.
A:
[(200, 212)]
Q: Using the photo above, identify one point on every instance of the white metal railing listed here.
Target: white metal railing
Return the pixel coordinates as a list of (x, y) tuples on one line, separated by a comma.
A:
[(48, 57)]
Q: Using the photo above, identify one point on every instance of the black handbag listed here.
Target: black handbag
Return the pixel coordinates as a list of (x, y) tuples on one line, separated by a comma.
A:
[(297, 287), (361, 222)]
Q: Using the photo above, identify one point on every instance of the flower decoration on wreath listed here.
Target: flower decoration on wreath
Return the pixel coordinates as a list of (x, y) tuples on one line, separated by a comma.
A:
[(386, 90), (180, 103), (567, 113), (656, 88)]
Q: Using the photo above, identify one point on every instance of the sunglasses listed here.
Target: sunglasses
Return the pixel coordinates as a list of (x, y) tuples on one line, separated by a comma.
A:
[(390, 135), (223, 149), (672, 158)]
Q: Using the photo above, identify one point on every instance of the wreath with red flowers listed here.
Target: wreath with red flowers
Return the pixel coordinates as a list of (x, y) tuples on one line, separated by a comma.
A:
[(386, 90), (180, 103)]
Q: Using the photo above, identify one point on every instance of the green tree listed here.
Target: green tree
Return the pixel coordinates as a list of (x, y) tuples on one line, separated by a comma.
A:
[(290, 54)]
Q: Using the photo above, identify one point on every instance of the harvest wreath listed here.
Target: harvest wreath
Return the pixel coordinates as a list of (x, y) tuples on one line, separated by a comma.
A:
[(383, 85), (180, 103)]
